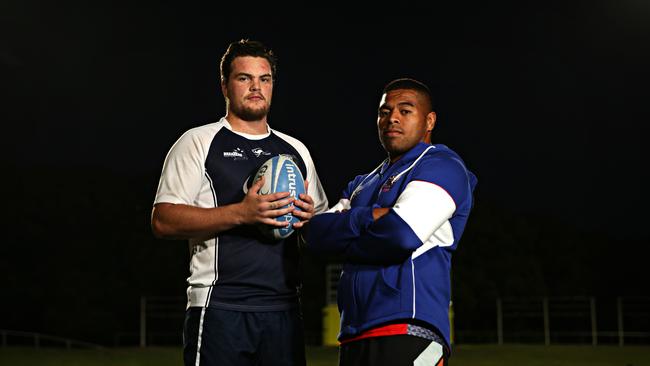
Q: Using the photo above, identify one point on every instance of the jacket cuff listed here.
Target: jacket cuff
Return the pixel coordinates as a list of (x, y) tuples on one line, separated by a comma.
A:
[(360, 219)]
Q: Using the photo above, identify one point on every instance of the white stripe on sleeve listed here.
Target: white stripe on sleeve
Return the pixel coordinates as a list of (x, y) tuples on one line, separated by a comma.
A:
[(342, 204), (425, 207)]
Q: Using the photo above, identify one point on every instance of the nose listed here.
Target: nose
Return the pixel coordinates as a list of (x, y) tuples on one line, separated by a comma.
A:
[(255, 84), (389, 119), (394, 116)]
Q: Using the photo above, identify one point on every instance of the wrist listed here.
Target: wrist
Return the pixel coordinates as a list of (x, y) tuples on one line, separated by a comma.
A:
[(379, 212), (236, 213)]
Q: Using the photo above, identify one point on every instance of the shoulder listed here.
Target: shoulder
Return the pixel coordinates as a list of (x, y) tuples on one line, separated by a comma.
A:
[(196, 140), (353, 184), (204, 131), (358, 179), (443, 159), (291, 140), (296, 144), (443, 167)]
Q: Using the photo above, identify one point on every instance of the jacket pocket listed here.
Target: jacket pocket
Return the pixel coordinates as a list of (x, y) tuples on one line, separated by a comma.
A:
[(376, 295), (345, 296)]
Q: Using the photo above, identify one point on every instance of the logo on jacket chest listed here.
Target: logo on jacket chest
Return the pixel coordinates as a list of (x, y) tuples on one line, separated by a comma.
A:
[(258, 151), (388, 184), (236, 154), (240, 154)]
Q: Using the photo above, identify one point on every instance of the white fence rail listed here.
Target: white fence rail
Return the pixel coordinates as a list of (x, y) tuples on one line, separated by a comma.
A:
[(545, 320), (10, 338), (560, 319), (161, 320)]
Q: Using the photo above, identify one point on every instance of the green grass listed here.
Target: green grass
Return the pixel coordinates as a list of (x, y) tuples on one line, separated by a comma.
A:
[(111, 356), (464, 355), (493, 355)]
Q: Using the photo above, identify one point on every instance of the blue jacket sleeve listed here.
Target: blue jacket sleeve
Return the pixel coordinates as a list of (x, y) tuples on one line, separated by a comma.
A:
[(332, 233), (390, 239), (359, 239)]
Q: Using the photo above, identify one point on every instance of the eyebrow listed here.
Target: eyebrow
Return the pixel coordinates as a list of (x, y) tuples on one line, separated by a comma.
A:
[(384, 106), (251, 75), (406, 103)]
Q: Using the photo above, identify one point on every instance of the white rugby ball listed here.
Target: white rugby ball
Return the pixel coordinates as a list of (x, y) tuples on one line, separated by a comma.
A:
[(281, 174)]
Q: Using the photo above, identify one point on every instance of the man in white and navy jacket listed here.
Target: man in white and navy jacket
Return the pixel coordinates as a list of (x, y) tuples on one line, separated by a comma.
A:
[(243, 306), (396, 229)]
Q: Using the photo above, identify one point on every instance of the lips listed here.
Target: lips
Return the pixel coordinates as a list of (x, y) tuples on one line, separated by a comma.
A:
[(255, 97), (391, 132)]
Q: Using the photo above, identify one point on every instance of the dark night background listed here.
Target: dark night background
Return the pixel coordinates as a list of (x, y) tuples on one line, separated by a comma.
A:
[(546, 103)]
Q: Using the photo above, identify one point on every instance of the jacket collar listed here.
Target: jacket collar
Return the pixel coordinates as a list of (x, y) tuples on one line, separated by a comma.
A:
[(407, 158)]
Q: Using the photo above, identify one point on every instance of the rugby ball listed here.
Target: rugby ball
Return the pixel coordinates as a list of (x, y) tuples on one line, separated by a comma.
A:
[(281, 174)]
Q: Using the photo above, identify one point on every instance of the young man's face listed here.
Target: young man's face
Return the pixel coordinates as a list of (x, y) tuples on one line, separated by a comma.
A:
[(249, 88), (404, 120)]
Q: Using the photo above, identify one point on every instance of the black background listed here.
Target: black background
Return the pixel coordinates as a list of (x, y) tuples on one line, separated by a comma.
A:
[(547, 104)]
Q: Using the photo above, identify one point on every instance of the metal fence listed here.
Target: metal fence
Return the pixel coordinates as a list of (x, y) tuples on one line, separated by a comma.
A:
[(534, 320), (161, 320), (13, 338), (566, 320), (547, 320)]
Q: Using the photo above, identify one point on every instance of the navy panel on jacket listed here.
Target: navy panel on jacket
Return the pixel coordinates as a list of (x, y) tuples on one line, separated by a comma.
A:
[(245, 256)]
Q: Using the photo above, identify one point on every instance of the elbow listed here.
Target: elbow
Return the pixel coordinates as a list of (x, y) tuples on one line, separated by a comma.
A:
[(159, 227), (320, 248), (314, 243), (321, 244), (401, 248)]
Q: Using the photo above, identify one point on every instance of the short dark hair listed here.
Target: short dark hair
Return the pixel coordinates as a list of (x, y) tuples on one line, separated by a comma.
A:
[(412, 84), (242, 48)]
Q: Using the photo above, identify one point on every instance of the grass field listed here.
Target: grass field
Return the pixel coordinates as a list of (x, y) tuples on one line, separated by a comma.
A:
[(464, 355)]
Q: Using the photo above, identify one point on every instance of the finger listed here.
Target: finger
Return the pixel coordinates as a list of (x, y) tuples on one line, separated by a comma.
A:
[(274, 222), (307, 198), (306, 185), (299, 224), (303, 220), (304, 205), (255, 188), (302, 215), (275, 196), (278, 212), (280, 203)]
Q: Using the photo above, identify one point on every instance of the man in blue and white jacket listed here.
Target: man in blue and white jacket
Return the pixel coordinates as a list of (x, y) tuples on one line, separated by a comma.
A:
[(396, 229)]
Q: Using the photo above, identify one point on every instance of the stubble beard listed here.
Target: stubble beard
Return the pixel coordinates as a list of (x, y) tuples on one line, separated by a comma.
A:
[(250, 114), (390, 144)]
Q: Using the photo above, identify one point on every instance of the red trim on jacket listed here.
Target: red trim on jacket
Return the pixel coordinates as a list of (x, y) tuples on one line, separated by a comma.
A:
[(386, 330)]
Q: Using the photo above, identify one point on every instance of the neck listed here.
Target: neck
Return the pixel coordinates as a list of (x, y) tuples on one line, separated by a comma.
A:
[(394, 158), (258, 127)]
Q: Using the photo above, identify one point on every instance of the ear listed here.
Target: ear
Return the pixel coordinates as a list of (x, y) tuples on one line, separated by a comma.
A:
[(224, 88), (431, 121)]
